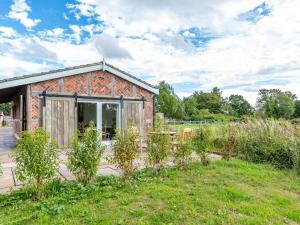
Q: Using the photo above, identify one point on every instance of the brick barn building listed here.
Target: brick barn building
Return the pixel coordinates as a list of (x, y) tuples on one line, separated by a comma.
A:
[(65, 100)]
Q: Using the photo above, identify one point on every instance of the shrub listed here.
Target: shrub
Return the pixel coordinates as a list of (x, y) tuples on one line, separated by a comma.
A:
[(183, 151), (262, 141), (297, 161), (230, 142), (36, 158), (84, 157), (202, 143), (158, 146), (125, 150)]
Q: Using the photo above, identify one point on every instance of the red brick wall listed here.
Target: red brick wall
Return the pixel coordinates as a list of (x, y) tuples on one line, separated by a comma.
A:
[(101, 84)]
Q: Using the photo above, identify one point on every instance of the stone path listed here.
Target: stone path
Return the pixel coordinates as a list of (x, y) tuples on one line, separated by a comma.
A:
[(7, 139), (8, 180)]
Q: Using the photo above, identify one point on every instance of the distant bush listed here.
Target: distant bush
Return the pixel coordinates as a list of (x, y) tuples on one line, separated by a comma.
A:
[(37, 158), (183, 151), (202, 143), (84, 157), (230, 141), (125, 150), (268, 141), (157, 149)]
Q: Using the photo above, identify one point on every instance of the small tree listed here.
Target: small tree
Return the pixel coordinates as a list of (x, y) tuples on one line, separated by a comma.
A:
[(125, 150), (201, 142), (230, 142), (158, 146), (37, 158), (183, 151), (84, 157)]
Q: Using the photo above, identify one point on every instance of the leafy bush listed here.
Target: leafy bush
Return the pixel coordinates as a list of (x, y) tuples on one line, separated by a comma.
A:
[(36, 158), (125, 150), (275, 142), (183, 151), (297, 161), (230, 142), (157, 149), (84, 157), (202, 143)]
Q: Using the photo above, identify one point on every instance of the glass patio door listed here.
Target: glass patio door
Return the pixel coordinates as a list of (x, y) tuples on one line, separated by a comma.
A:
[(105, 115)]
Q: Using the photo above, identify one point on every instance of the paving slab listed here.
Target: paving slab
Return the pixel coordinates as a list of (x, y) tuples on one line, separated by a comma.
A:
[(7, 139), (6, 180), (107, 171), (65, 173)]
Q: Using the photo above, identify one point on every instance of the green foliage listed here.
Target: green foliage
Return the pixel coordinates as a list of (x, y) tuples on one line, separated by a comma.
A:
[(84, 157), (183, 151), (230, 141), (158, 123), (125, 150), (212, 101), (297, 109), (190, 106), (5, 108), (36, 158), (167, 100), (275, 142), (296, 162), (202, 143), (276, 104), (157, 149), (239, 105)]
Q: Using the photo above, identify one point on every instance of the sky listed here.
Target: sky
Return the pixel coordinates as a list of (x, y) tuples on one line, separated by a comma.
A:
[(239, 46)]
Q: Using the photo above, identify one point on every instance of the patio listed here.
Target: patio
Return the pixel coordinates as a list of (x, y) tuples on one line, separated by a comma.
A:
[(8, 180)]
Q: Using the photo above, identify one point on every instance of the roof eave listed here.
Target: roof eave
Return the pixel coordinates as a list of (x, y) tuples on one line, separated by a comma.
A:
[(76, 71)]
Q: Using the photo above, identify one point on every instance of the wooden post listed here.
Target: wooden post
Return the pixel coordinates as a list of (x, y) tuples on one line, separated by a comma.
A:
[(28, 107), (21, 114)]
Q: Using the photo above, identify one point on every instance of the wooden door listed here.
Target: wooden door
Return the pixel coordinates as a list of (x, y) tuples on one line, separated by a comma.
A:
[(60, 120), (133, 111)]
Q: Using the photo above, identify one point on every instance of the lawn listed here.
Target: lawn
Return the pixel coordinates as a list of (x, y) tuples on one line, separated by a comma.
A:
[(234, 192)]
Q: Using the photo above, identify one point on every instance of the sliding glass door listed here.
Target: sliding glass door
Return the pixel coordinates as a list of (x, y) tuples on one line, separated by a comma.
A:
[(105, 115)]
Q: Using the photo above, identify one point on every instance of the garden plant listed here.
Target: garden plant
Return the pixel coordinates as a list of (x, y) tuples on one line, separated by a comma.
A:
[(125, 149), (183, 151), (36, 158), (85, 155)]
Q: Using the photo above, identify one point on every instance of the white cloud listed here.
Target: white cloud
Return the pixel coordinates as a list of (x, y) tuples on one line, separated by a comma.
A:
[(110, 48), (7, 32), (19, 10)]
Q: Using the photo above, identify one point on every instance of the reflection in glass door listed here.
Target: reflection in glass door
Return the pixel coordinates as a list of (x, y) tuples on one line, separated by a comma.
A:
[(110, 120), (86, 112), (106, 117)]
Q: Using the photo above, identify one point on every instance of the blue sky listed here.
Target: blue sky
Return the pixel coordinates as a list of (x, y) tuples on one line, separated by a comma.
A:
[(239, 46)]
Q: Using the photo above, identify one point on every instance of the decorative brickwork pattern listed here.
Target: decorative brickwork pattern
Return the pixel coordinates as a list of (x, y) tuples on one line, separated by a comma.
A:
[(49, 85), (124, 88), (76, 83), (101, 84), (35, 102)]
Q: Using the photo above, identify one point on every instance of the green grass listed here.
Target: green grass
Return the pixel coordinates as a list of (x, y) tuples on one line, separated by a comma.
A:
[(179, 127), (234, 192)]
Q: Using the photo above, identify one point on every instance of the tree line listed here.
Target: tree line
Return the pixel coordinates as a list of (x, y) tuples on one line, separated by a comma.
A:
[(271, 103)]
